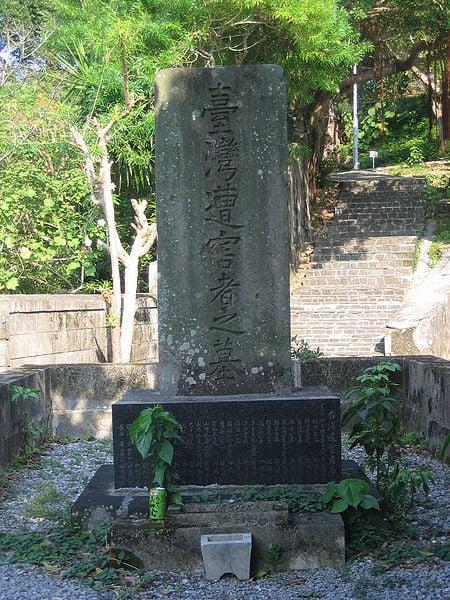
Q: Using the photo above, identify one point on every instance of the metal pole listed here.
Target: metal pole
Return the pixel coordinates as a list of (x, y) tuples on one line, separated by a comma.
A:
[(355, 121)]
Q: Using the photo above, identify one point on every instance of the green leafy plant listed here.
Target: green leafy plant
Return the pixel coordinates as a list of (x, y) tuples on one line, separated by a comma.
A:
[(152, 434), (31, 433), (273, 555), (416, 254), (442, 449), (297, 500), (349, 493), (300, 349), (46, 502), (376, 428), (83, 555), (435, 252), (25, 394), (416, 156)]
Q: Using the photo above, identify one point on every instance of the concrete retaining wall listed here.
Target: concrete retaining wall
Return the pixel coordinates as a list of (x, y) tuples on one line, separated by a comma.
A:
[(68, 328), (22, 422), (424, 396), (76, 399)]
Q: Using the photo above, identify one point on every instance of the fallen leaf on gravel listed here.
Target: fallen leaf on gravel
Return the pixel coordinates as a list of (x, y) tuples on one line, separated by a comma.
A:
[(50, 568), (296, 581)]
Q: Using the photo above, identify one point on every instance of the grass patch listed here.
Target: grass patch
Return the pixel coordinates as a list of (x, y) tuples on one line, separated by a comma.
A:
[(83, 555), (416, 254), (47, 503), (398, 545)]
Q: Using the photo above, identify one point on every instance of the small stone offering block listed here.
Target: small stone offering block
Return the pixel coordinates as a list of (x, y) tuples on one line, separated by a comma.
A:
[(225, 553), (243, 440)]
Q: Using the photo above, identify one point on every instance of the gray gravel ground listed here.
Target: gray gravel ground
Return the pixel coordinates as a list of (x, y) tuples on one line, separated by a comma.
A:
[(33, 495)]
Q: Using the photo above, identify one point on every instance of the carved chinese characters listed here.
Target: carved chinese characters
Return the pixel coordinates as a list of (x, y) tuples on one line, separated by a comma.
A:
[(243, 440), (223, 255), (222, 163)]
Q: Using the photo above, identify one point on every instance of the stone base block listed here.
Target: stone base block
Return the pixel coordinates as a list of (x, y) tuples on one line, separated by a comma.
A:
[(101, 502), (306, 541), (227, 553)]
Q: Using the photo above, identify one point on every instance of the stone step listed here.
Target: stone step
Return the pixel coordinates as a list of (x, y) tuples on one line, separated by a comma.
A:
[(371, 225), (399, 186), (378, 211), (360, 261), (329, 309), (367, 266), (364, 249), (365, 277), (369, 241), (348, 295), (383, 192), (360, 272)]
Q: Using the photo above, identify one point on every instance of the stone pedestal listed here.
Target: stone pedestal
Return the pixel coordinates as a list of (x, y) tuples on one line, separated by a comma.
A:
[(307, 541), (243, 440)]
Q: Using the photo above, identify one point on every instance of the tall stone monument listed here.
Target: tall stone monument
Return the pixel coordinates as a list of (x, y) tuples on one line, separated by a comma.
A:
[(222, 213), (223, 291)]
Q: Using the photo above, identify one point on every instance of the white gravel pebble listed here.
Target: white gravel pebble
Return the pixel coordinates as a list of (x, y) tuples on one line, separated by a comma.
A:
[(66, 468)]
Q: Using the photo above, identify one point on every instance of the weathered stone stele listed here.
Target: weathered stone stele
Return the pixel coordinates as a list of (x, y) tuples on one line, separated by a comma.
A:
[(223, 253)]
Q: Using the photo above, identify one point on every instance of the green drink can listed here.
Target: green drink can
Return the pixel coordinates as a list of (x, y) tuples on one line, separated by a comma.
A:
[(157, 503)]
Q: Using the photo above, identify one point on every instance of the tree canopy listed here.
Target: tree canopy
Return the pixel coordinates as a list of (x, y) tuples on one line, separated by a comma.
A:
[(63, 63)]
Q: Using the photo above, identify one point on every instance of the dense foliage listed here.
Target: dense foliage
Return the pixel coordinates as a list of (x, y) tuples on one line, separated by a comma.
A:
[(63, 62)]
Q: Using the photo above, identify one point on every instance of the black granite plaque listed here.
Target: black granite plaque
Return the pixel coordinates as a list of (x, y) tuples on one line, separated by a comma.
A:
[(244, 440)]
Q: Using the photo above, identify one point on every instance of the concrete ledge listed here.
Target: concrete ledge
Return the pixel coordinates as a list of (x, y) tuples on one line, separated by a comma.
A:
[(75, 396), (306, 541), (100, 502)]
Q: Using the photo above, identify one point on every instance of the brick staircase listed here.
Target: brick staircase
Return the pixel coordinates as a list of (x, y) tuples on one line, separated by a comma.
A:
[(360, 273)]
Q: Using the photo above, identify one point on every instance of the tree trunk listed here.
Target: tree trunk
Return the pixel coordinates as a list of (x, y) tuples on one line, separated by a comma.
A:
[(436, 98), (307, 129), (446, 96), (299, 212), (129, 307), (318, 123), (114, 247)]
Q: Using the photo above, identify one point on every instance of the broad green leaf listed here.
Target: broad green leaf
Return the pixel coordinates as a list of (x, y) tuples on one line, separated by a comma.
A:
[(143, 445), (159, 472), (339, 506), (369, 502), (165, 452), (330, 490), (352, 490), (90, 270), (175, 498), (25, 253), (73, 266), (12, 283)]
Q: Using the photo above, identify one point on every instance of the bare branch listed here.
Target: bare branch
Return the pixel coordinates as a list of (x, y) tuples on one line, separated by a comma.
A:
[(88, 162), (103, 245), (145, 232), (397, 65)]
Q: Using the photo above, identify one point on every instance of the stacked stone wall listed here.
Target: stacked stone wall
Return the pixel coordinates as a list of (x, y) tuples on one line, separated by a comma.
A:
[(67, 328)]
